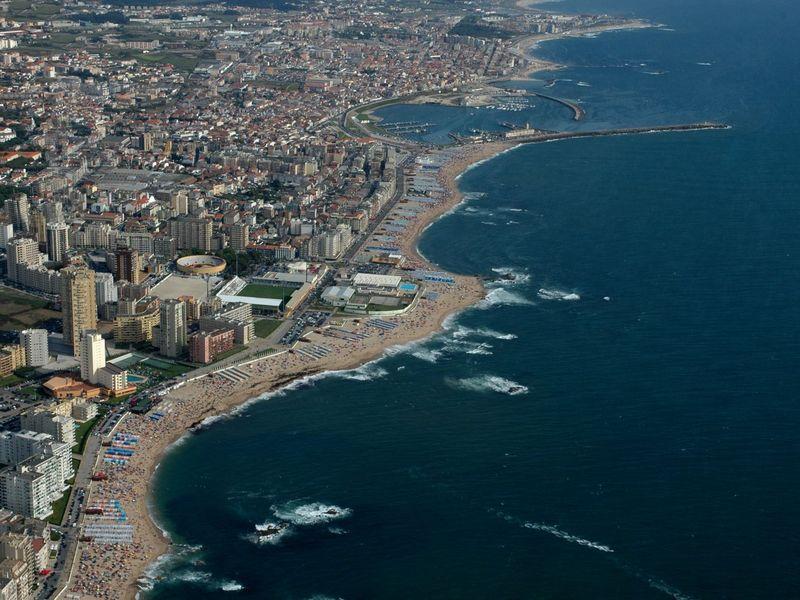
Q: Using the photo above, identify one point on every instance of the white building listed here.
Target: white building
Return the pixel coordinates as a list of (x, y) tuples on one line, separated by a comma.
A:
[(57, 241), (93, 355), (19, 252), (60, 427), (37, 352), (104, 288), (6, 233), (112, 377), (38, 467)]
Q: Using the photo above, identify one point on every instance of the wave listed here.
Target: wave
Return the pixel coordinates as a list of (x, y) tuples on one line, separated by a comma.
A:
[(705, 64), (488, 383), (502, 297), (552, 530), (368, 372), (583, 84), (556, 294), (510, 275), (231, 586), (428, 355), (463, 331), (313, 513), (178, 554)]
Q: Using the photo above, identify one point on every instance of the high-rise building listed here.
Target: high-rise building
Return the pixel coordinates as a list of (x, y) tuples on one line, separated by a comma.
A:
[(146, 141), (57, 241), (78, 303), (128, 265), (53, 212), (60, 427), (192, 233), (104, 289), (38, 226), (18, 210), (34, 341), (21, 252), (172, 327), (93, 355), (6, 233), (240, 235)]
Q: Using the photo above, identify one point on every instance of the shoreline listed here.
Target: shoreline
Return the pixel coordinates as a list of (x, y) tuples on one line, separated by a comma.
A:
[(204, 400)]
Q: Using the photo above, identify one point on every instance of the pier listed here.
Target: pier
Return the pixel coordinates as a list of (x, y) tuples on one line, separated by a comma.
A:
[(577, 111), (568, 135)]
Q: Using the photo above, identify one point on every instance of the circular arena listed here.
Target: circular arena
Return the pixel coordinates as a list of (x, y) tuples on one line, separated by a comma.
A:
[(201, 264)]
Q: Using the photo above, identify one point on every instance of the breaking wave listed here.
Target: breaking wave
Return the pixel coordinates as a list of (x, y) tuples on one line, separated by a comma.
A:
[(428, 355), (502, 297), (367, 372), (488, 383), (556, 294), (510, 276), (313, 513), (463, 331), (552, 530)]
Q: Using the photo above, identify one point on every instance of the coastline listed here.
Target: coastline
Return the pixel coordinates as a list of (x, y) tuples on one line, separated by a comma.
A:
[(205, 399)]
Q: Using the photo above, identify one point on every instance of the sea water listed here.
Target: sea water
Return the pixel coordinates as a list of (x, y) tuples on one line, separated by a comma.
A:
[(620, 420)]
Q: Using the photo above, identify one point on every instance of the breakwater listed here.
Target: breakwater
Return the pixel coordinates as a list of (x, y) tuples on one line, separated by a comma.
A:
[(577, 110), (537, 136)]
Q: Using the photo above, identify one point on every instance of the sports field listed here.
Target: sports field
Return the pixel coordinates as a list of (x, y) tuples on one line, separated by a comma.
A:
[(258, 290)]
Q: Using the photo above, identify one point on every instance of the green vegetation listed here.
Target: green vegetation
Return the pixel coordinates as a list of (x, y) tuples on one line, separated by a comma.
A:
[(22, 311), (229, 353), (182, 62), (76, 464), (265, 327), (258, 290), (82, 435), (10, 380), (59, 506), (473, 26)]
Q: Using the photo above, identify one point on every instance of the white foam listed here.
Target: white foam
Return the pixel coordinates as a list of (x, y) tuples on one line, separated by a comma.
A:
[(552, 530), (502, 297), (705, 64), (514, 276), (231, 586), (583, 84), (489, 383), (556, 294), (463, 331), (312, 513), (368, 372), (428, 355)]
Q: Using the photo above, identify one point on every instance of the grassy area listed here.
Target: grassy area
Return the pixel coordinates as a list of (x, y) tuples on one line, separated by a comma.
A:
[(182, 62), (9, 380), (258, 290), (82, 434), (76, 464), (22, 311), (265, 327), (163, 368), (231, 352), (59, 506)]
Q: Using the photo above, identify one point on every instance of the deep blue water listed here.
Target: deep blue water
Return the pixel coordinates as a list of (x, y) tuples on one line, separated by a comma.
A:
[(643, 446)]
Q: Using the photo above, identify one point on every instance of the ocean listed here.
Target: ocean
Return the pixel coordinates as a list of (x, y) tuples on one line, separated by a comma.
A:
[(618, 421)]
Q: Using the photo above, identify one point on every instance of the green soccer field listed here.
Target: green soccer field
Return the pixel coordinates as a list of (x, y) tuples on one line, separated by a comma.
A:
[(257, 290)]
